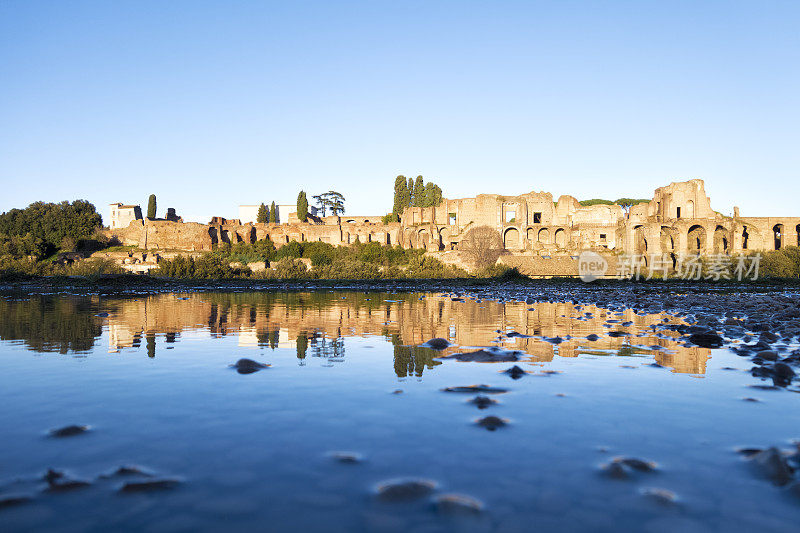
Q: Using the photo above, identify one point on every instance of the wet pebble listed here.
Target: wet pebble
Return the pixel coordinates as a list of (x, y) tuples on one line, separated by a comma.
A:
[(476, 388), (491, 422), (149, 486), (772, 464), (482, 402), (660, 496), (515, 372), (348, 458), (706, 340), (592, 337), (485, 355), (127, 470), (69, 431), (405, 489), (13, 500), (624, 467), (437, 343), (457, 504), (248, 366), (66, 485)]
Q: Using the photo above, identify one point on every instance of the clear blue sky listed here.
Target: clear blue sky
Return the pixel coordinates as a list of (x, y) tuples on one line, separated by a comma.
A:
[(215, 104)]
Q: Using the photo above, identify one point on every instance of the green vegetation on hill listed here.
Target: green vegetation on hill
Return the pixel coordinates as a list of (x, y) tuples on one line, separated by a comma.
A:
[(359, 261), (624, 202)]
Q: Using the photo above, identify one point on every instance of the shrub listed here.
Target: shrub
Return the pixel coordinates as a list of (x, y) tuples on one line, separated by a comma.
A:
[(482, 246)]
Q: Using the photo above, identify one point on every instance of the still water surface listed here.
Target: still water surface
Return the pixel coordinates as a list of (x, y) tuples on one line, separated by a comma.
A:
[(150, 375)]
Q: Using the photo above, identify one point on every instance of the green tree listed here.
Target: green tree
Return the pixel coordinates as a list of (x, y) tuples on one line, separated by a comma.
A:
[(419, 192), (151, 206), (330, 200), (302, 206), (52, 224), (263, 214), (401, 195), (302, 345), (430, 195), (410, 187), (273, 214)]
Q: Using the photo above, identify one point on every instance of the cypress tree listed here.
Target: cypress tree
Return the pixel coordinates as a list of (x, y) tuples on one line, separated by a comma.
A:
[(419, 192), (302, 206), (151, 206), (263, 214), (410, 197), (400, 193), (273, 214)]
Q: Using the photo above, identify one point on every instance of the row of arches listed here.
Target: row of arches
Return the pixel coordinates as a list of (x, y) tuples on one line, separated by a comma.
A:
[(513, 240), (722, 239)]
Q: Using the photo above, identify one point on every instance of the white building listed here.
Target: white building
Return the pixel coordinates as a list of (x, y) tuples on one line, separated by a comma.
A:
[(122, 215)]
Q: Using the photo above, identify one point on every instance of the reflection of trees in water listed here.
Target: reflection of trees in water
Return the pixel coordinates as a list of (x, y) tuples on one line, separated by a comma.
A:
[(50, 323), (331, 349), (412, 360)]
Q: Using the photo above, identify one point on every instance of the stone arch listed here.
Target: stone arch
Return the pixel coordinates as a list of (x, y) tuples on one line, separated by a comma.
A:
[(544, 236), (696, 241), (669, 238), (531, 234), (560, 238), (212, 232), (778, 235), (721, 240), (225, 236), (423, 238), (511, 240), (639, 241), (797, 231)]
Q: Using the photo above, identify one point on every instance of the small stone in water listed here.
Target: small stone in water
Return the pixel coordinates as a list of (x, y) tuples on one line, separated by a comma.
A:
[(476, 388), (706, 340), (69, 431), (637, 464), (248, 366), (64, 486), (147, 486), (592, 337), (768, 355), (12, 500), (491, 422), (52, 475), (348, 458), (458, 504), (397, 391), (128, 471), (482, 401), (773, 465), (437, 343), (515, 372), (397, 490), (751, 399), (662, 496)]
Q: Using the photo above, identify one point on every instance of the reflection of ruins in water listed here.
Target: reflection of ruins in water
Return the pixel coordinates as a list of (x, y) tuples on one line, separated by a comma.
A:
[(316, 324)]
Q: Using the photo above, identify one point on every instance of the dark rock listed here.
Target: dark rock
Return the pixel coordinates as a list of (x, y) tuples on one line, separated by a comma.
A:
[(476, 388), (124, 471), (248, 366), (767, 355), (482, 402), (515, 372), (618, 334), (485, 355), (398, 490), (149, 486), (457, 504), (12, 500), (783, 371), (69, 431), (348, 458), (637, 464), (491, 422), (773, 465), (660, 496), (437, 343), (66, 485), (592, 337), (706, 340), (52, 476), (748, 452), (624, 467)]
